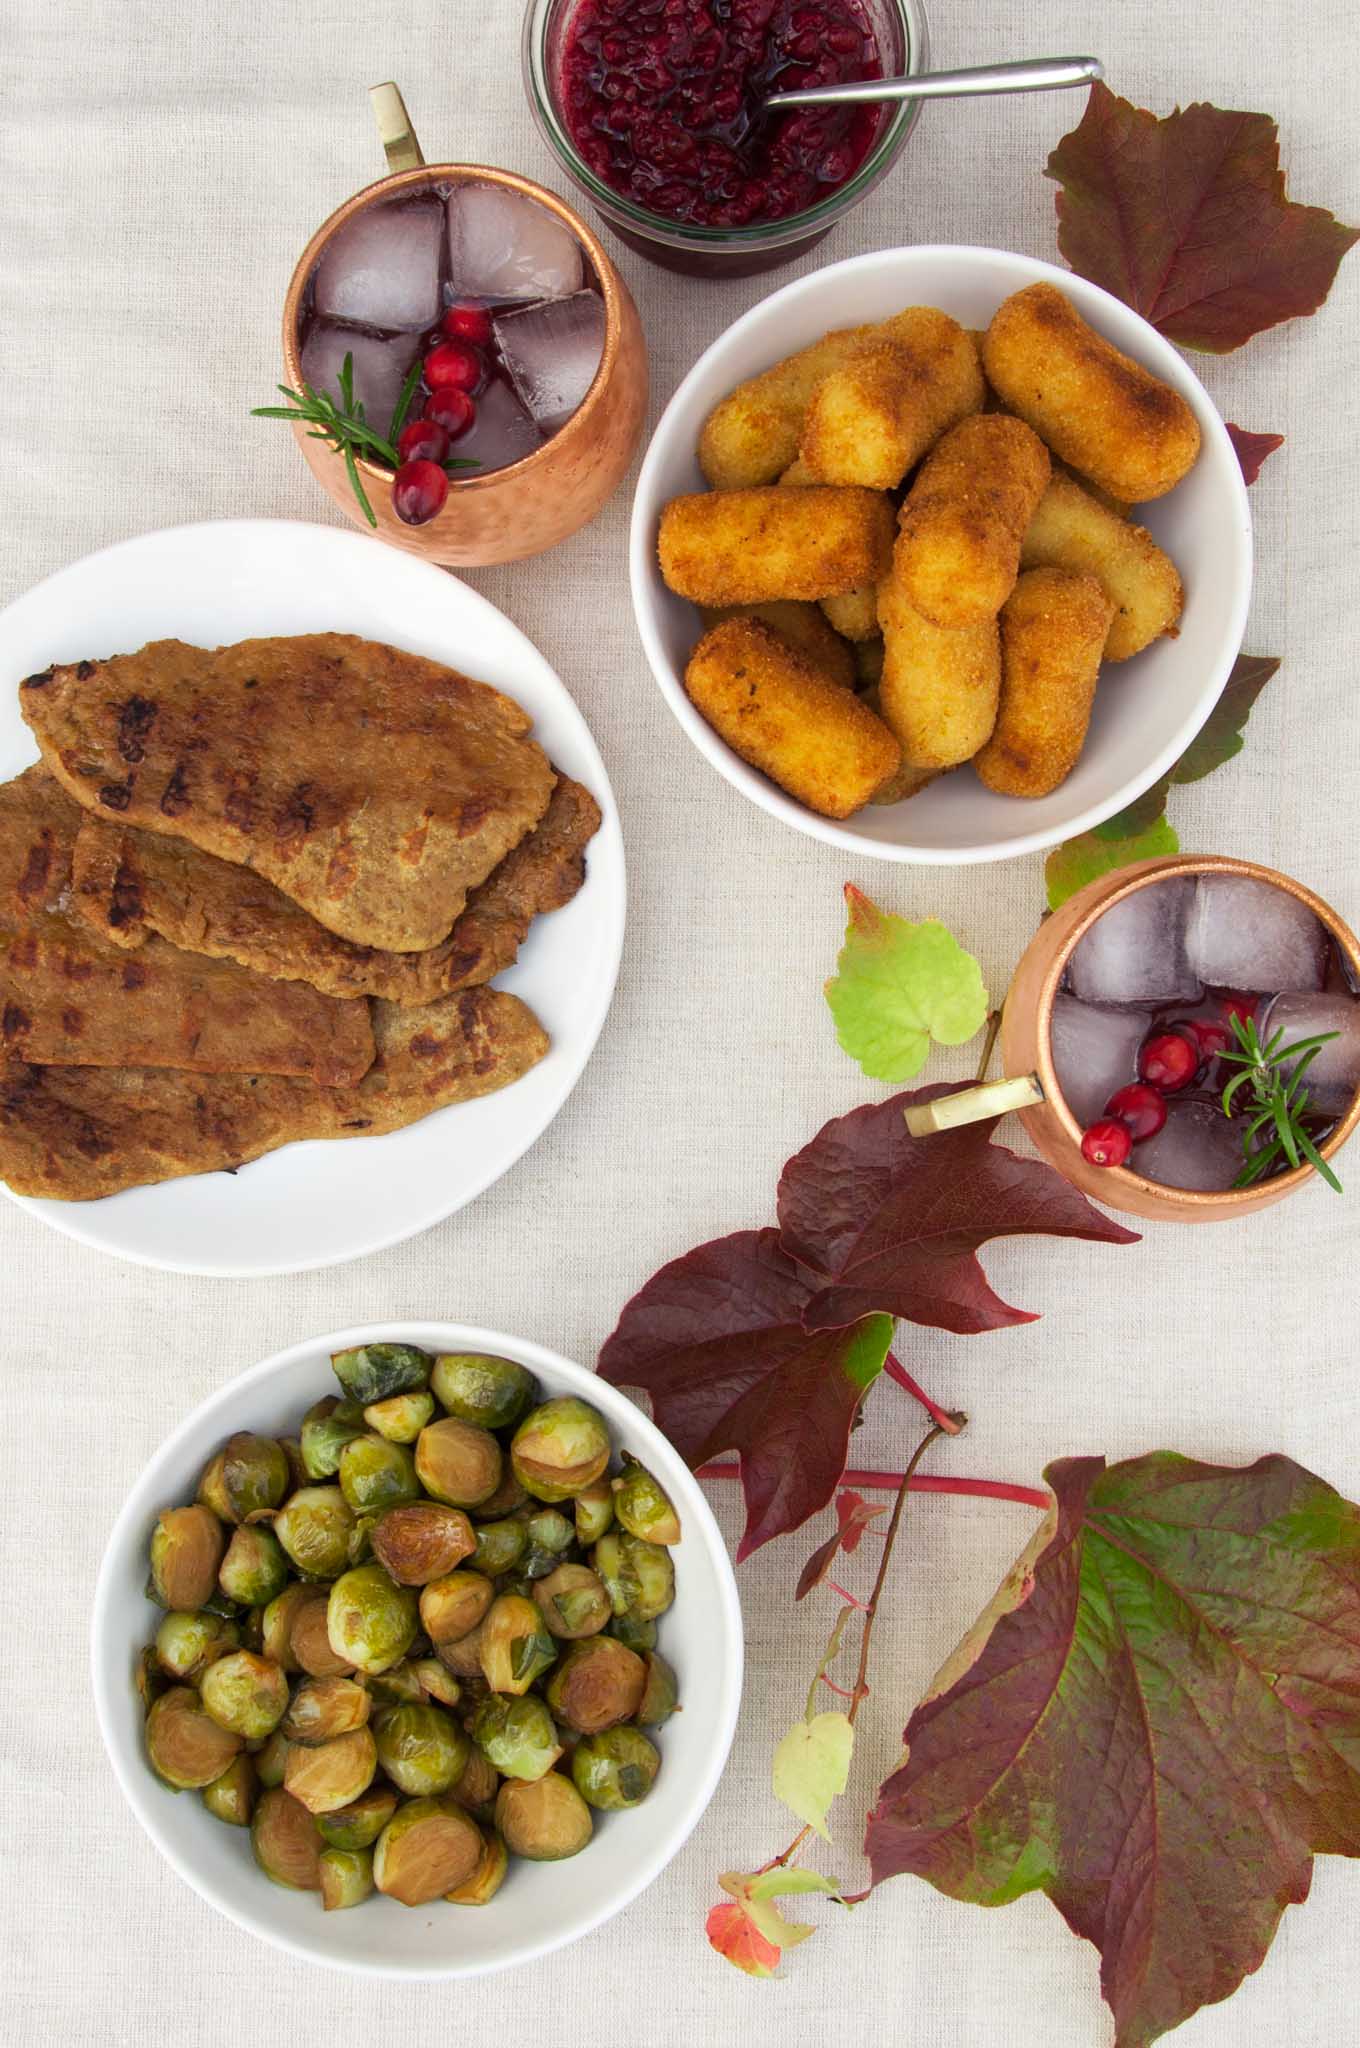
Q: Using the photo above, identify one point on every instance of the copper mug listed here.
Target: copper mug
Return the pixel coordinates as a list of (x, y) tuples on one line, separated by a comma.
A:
[(529, 505), (1032, 1088)]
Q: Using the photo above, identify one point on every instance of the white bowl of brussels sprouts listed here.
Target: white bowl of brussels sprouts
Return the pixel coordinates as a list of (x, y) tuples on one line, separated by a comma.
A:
[(414, 1674)]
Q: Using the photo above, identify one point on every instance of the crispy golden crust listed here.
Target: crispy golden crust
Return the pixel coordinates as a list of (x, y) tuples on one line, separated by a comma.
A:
[(1053, 628), (958, 548), (69, 998), (371, 786), (800, 626), (854, 614), (77, 1133), (939, 687), (1095, 407), (870, 419), (907, 782), (811, 736), (745, 547), (128, 883), (1071, 529)]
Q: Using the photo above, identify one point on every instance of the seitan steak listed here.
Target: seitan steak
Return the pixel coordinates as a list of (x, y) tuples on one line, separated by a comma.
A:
[(375, 788)]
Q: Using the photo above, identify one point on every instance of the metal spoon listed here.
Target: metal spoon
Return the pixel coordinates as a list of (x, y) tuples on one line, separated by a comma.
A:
[(1033, 74)]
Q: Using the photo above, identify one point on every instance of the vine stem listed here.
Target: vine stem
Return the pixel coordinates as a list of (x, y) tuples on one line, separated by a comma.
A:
[(988, 1046), (942, 1418), (917, 1482)]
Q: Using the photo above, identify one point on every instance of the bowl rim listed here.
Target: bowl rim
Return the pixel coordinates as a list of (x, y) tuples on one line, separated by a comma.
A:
[(755, 786), (109, 1682)]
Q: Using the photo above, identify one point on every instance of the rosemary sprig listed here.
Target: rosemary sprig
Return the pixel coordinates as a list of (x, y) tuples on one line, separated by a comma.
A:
[(1279, 1107)]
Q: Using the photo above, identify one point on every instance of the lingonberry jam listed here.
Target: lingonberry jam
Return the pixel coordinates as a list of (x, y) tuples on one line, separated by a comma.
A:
[(664, 99)]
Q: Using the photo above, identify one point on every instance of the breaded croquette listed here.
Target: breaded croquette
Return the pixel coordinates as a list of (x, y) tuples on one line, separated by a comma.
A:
[(1053, 627), (744, 547), (939, 688), (800, 626), (815, 739), (854, 614), (1072, 530), (958, 547), (869, 420), (907, 781), (1099, 410)]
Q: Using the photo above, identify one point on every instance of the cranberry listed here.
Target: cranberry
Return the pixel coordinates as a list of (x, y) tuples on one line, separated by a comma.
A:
[(1211, 1037), (1168, 1061), (453, 366), (423, 441), (452, 410), (418, 492), (1106, 1143), (1236, 1004), (468, 323), (1140, 1108)]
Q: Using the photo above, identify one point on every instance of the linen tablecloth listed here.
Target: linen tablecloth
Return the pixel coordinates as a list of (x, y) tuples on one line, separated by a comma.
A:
[(160, 168)]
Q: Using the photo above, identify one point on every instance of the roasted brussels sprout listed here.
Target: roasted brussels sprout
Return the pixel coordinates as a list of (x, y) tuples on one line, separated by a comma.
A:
[(285, 1840), (254, 1570), (322, 1708), (309, 1640), (148, 1676), (516, 1735), (360, 1546), (478, 1785), (615, 1768), (232, 1796), (516, 1647), (186, 1550), (429, 1847), (421, 1748), (401, 1417), (314, 1528), (271, 1758), (358, 1825), (276, 1623), (374, 1372), (376, 1474), (643, 1507), (328, 1775), (634, 1635), (326, 1428), (298, 1475), (371, 1621), (492, 1392), (487, 1879), (246, 1693), (457, 1462), (187, 1643), (500, 1546), (346, 1877), (551, 1536), (421, 1541), (543, 1819), (639, 1576), (463, 1657), (660, 1693), (560, 1449), (597, 1684), (436, 1682), (508, 1496), (187, 1748), (594, 1512), (451, 1607), (573, 1602), (398, 1686), (255, 1475)]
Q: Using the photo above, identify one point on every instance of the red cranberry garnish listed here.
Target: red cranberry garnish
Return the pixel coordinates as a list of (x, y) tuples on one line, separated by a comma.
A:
[(453, 366), (422, 441), (1211, 1037), (1106, 1143), (452, 410), (1140, 1108), (1237, 1004), (418, 492), (1168, 1061), (468, 323)]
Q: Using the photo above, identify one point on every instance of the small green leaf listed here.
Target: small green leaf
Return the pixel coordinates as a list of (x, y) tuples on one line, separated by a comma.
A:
[(756, 1890), (897, 987), (812, 1765), (1081, 860), (785, 1880)]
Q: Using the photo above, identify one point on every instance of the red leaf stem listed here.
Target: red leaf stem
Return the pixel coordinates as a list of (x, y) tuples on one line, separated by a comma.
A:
[(897, 1371), (921, 1482)]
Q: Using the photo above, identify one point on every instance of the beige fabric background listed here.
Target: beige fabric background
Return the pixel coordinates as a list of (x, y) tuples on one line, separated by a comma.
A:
[(161, 166)]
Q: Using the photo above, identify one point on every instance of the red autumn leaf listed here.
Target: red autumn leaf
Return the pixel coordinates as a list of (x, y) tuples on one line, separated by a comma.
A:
[(1186, 220), (881, 1220), (717, 1340), (732, 1934), (1251, 449), (853, 1516), (1156, 1722)]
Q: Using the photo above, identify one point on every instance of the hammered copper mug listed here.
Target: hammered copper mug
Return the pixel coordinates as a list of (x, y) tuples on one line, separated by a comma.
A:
[(1032, 1086), (528, 505)]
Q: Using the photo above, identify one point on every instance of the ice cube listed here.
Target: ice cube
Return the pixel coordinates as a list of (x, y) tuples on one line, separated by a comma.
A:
[(1333, 1074), (1197, 1147), (552, 351), (502, 432), (1248, 934), (1136, 953), (379, 367), (503, 246), (383, 267), (1094, 1052)]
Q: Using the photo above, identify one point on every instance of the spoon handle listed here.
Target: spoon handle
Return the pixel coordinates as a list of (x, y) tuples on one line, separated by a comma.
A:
[(1033, 74)]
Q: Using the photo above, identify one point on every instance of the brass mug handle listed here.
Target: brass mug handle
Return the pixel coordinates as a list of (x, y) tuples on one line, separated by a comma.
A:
[(970, 1105), (395, 132)]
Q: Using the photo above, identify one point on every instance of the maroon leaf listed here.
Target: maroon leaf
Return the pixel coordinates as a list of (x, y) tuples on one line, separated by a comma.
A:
[(717, 1341), (882, 1220), (1252, 449), (1156, 1722), (1186, 220), (853, 1516)]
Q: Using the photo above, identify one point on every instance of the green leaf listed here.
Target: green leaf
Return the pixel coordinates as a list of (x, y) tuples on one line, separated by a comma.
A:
[(1081, 860), (756, 1891), (1220, 736), (898, 986), (812, 1767)]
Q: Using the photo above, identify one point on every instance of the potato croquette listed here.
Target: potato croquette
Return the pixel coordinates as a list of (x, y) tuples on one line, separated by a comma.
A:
[(854, 614), (958, 548), (907, 781), (815, 739), (1053, 627), (939, 688), (1072, 530), (800, 626), (1101, 412), (871, 419), (745, 547)]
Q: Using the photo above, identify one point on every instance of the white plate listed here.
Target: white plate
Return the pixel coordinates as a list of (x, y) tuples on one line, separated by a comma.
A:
[(318, 1203), (1147, 710)]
